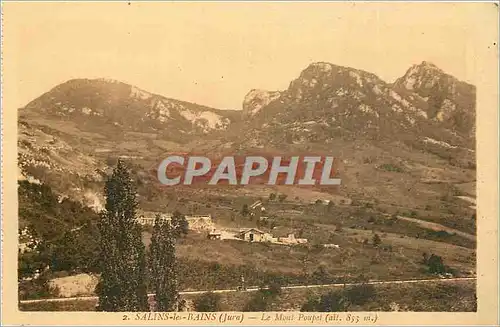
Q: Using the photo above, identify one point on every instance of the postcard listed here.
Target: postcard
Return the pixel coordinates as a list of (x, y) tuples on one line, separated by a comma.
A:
[(249, 163)]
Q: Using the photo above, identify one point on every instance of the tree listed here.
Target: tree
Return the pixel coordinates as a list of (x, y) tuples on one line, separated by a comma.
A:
[(70, 246), (180, 224), (122, 284), (376, 240), (208, 302), (163, 265), (436, 265), (272, 196)]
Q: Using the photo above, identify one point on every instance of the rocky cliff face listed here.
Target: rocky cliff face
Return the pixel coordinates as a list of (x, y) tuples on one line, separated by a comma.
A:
[(256, 100), (328, 102), (122, 106), (445, 99)]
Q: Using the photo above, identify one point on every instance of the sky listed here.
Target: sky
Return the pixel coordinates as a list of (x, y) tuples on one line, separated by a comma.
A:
[(215, 53)]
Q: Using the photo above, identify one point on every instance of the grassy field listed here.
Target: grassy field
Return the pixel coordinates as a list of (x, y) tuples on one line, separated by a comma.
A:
[(396, 258), (432, 296), (213, 264)]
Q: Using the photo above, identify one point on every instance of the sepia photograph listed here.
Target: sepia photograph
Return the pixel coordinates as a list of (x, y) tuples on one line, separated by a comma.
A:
[(250, 163)]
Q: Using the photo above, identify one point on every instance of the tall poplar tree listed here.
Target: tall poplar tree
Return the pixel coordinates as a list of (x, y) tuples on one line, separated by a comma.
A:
[(122, 284), (180, 225), (163, 266)]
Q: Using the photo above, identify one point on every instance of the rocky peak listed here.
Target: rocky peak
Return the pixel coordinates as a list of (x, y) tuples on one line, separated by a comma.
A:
[(446, 99), (327, 99), (323, 78), (424, 75), (99, 102), (257, 99)]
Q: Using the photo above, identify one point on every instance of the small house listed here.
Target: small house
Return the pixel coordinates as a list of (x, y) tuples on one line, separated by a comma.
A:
[(253, 235)]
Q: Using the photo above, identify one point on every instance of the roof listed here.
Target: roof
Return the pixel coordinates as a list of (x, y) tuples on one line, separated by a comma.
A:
[(252, 229), (215, 233)]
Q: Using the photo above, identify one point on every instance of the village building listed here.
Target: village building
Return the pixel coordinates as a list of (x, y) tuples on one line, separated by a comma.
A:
[(214, 235), (254, 235), (322, 201), (196, 222), (290, 239)]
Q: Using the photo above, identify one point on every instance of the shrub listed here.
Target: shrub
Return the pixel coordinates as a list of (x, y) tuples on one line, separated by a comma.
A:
[(391, 167), (435, 264), (37, 289), (282, 197), (439, 234), (259, 302), (208, 302), (376, 240), (320, 276), (310, 305), (266, 295), (360, 294), (333, 301)]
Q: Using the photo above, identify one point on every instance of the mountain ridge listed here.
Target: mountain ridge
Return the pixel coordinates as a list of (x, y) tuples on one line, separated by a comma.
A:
[(68, 136)]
